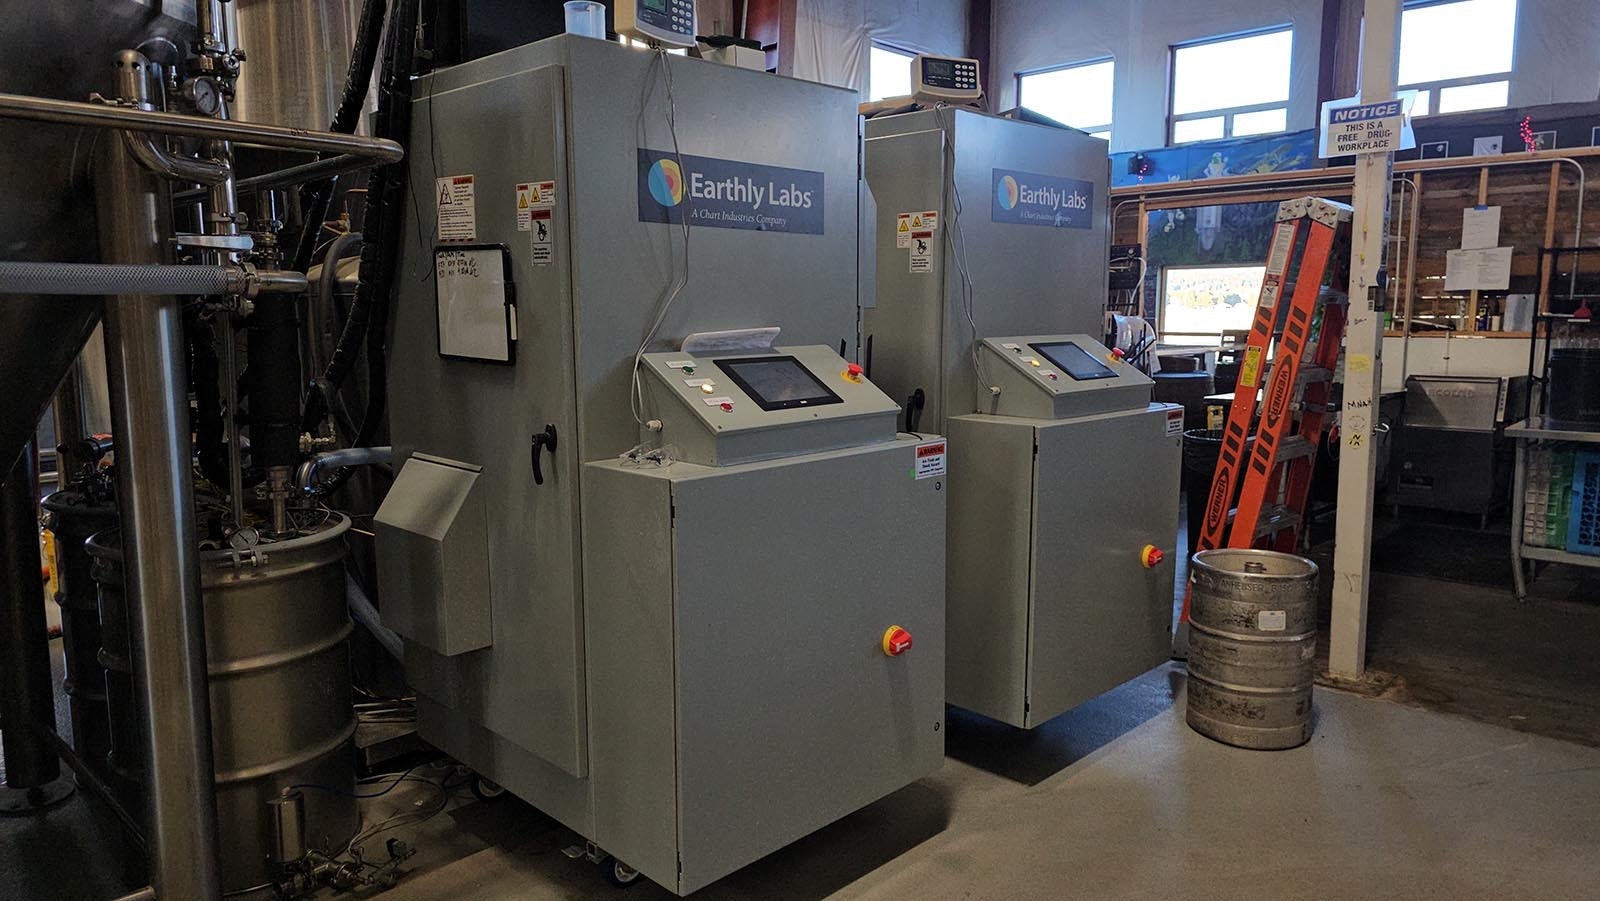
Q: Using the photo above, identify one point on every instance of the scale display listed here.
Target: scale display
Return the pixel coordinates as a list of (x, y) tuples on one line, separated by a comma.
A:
[(1074, 361), (778, 383)]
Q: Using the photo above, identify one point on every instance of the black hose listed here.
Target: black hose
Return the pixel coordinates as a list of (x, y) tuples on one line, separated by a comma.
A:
[(316, 198), (382, 230), (393, 91)]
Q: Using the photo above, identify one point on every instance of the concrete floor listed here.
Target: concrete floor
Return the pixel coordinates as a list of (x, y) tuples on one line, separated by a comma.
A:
[(1120, 799), (1447, 781)]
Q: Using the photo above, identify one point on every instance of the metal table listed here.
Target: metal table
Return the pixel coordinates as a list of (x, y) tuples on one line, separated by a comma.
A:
[(1529, 430)]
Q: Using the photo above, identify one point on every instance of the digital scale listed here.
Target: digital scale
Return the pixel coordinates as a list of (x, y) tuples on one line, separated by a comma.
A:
[(669, 23), (945, 78)]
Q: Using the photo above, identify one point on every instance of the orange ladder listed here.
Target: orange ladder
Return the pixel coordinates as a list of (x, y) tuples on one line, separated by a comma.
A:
[(1269, 445)]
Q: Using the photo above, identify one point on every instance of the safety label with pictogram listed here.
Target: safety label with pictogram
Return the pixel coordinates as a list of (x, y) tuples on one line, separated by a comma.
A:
[(902, 230), (543, 237), (457, 208), (922, 251), (534, 195)]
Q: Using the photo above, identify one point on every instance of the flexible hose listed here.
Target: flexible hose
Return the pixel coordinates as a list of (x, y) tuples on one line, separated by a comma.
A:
[(309, 478), (316, 198), (113, 278), (362, 611)]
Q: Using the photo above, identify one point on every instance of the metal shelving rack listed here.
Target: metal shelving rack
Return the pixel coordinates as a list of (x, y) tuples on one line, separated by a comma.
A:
[(1536, 428)]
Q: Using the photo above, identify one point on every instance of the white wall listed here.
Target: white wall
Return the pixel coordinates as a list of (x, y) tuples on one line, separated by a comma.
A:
[(1138, 34), (832, 37), (1557, 52)]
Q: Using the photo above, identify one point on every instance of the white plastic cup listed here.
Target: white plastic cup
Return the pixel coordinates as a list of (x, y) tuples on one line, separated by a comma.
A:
[(586, 18)]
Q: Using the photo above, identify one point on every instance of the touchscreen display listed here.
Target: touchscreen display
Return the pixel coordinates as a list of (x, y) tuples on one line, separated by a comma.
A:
[(1075, 361), (778, 383)]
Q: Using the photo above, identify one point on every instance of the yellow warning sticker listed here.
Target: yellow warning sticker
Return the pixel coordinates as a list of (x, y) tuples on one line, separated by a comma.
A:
[(1358, 362), (1250, 371), (902, 230)]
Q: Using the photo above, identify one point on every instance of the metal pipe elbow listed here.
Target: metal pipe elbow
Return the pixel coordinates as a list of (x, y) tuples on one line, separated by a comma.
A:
[(175, 166)]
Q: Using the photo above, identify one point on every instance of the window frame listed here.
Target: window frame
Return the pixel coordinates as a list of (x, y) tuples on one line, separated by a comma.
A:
[(1228, 112), (1434, 87), (1107, 127), (910, 56)]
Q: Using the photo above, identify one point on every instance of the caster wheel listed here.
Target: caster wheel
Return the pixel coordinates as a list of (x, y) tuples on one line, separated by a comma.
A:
[(485, 790), (618, 873)]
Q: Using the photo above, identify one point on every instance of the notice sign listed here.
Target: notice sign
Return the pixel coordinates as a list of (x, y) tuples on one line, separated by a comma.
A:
[(1350, 126)]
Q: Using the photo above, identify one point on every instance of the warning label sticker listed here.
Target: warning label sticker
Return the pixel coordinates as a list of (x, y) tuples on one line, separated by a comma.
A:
[(543, 237), (925, 219), (930, 460), (533, 196), (1175, 421), (922, 251), (457, 208), (902, 230), (1250, 371), (1272, 620)]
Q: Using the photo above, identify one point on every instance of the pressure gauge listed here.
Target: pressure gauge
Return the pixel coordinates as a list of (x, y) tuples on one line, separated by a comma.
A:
[(669, 23), (205, 95), (945, 78)]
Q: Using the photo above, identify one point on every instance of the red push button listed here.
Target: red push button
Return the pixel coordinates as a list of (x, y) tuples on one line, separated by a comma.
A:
[(1151, 556), (854, 369), (727, 408), (896, 641)]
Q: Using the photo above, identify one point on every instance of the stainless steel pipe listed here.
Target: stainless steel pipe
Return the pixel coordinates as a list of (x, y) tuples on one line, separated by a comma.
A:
[(253, 134), (150, 418)]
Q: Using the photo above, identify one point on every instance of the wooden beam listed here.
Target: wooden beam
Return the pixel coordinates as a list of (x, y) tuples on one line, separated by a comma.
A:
[(1471, 325)]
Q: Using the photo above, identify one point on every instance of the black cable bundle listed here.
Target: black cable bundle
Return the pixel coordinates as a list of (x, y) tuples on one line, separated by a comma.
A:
[(316, 198), (382, 226)]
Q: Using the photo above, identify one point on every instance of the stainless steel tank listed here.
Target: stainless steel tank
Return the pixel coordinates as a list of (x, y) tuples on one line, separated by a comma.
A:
[(62, 51), (1252, 647), (297, 54), (281, 714)]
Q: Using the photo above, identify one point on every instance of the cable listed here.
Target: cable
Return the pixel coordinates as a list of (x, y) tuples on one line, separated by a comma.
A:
[(339, 791), (958, 246), (636, 400)]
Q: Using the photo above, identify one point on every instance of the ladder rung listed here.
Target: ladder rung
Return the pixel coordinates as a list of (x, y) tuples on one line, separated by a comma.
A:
[(1275, 519), (1294, 447), (1312, 374)]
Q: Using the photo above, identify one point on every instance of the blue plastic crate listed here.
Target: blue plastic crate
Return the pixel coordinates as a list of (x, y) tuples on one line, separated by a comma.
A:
[(1583, 526)]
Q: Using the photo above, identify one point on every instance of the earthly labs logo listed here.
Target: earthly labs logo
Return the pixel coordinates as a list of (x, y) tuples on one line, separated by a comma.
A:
[(729, 193), (1027, 198)]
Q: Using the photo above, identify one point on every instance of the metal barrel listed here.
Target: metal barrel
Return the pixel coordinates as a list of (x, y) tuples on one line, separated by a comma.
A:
[(278, 658), (1252, 647)]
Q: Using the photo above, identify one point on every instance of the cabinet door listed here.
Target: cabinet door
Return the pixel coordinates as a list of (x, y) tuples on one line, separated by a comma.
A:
[(1105, 487)]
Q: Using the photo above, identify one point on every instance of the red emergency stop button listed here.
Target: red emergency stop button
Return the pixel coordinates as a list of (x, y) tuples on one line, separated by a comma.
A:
[(896, 641), (1151, 556), (854, 369)]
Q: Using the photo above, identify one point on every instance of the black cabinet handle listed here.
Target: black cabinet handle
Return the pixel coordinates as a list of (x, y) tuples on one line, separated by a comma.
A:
[(545, 440)]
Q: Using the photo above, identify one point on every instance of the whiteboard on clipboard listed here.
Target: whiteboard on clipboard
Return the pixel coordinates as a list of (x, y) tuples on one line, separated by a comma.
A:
[(476, 302)]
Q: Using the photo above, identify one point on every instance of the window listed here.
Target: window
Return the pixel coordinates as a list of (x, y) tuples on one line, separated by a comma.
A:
[(888, 72), (1231, 87), (1456, 54), (1078, 95), (1199, 302)]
